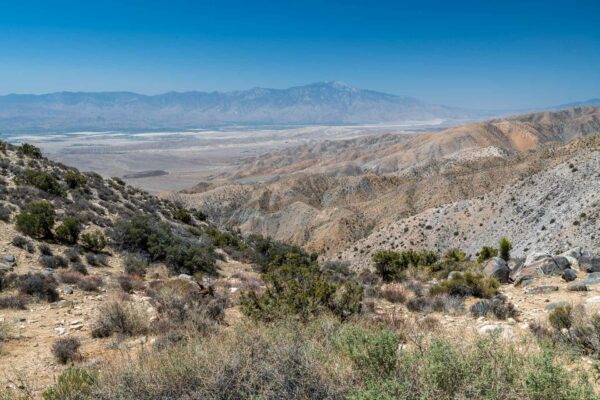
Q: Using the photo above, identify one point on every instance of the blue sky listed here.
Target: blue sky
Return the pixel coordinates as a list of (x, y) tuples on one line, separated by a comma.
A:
[(479, 54)]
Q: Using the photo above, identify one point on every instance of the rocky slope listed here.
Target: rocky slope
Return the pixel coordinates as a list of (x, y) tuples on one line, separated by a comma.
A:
[(327, 196), (551, 210)]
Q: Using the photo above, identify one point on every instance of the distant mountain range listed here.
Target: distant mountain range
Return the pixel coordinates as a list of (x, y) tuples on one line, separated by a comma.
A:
[(318, 103)]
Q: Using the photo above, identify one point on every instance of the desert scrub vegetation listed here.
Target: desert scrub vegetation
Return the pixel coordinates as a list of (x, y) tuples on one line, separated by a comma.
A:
[(94, 241), (329, 359), (29, 150), (121, 318), (392, 266), (37, 221), (505, 246), (498, 306), (42, 286), (155, 239), (486, 253), (465, 284), (301, 289), (68, 231), (41, 180), (571, 328), (66, 349)]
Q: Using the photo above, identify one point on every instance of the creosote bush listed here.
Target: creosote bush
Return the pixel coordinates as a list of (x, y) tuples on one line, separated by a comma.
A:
[(93, 241), (74, 179), (183, 215), (29, 150), (149, 236), (303, 290), (41, 180), (37, 221), (68, 231)]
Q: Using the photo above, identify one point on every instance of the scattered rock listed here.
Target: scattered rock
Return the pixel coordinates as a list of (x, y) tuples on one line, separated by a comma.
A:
[(578, 287), (569, 275), (592, 279), (593, 300), (543, 289), (60, 330), (68, 290), (185, 276)]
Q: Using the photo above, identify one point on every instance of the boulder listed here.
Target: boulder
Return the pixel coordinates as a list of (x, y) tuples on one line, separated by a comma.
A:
[(590, 262), (578, 287), (562, 262), (497, 268), (592, 279), (573, 256), (569, 275), (535, 257), (541, 264)]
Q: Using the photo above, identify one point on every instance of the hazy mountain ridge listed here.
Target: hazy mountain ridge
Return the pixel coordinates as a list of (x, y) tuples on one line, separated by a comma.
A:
[(318, 103)]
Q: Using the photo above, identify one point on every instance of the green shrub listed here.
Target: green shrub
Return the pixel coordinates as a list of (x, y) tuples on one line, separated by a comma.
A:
[(94, 241), (269, 254), (118, 181), (486, 253), (303, 291), (373, 351), (467, 284), (149, 236), (73, 384), (455, 255), (183, 215), (74, 179), (200, 215), (391, 265), (29, 150), (133, 265), (545, 380), (505, 247), (37, 221), (68, 231), (42, 181)]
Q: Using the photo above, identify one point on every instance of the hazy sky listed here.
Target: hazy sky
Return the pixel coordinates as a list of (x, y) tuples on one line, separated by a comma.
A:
[(483, 54)]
